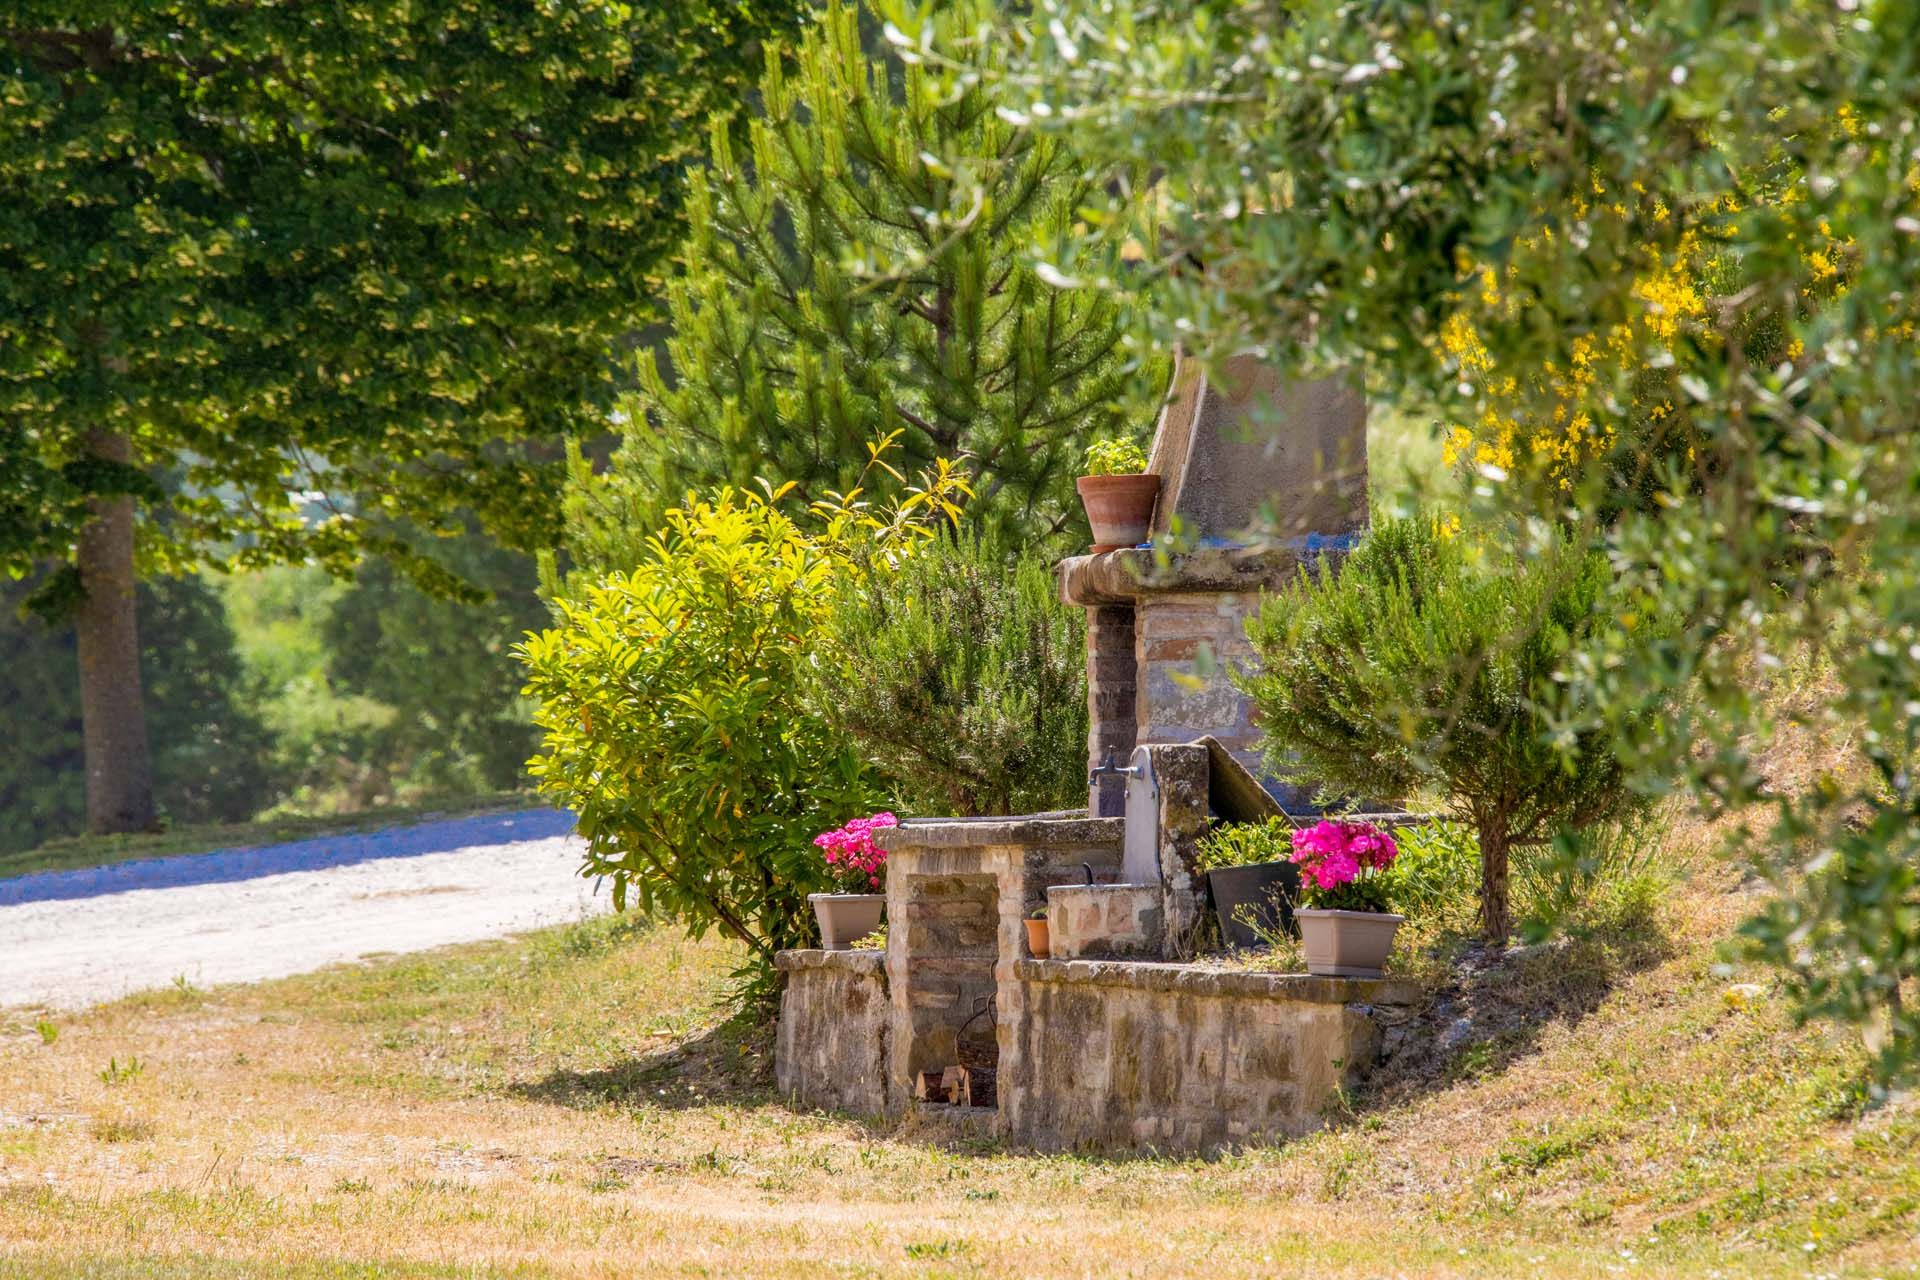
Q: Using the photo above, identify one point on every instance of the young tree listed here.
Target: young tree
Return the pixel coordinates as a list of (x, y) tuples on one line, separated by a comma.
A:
[(865, 266), (272, 251), (1407, 666)]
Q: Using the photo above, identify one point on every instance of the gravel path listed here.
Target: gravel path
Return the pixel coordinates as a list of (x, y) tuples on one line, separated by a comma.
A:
[(71, 938)]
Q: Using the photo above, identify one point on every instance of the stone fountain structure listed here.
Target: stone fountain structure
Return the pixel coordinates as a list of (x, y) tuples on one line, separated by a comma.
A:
[(1113, 1043)]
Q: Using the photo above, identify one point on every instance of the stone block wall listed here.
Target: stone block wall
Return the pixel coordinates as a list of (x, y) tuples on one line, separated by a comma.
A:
[(1095, 920), (1177, 703), (1127, 1056), (1112, 702), (950, 881), (832, 1041)]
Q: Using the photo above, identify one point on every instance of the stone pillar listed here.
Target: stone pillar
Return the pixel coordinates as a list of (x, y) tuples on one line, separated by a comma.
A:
[(1112, 702)]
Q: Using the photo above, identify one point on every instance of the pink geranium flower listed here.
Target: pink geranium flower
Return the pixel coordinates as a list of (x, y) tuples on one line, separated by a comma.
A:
[(855, 862), (1334, 853)]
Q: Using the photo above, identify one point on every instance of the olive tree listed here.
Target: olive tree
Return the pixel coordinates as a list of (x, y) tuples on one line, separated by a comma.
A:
[(1493, 213)]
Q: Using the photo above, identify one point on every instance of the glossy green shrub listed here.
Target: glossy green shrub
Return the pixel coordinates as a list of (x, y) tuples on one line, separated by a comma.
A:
[(673, 723), (672, 704)]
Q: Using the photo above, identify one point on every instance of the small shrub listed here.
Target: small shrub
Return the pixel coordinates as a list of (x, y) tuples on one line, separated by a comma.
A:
[(1115, 457), (118, 1072), (962, 678), (1421, 662), (1244, 844)]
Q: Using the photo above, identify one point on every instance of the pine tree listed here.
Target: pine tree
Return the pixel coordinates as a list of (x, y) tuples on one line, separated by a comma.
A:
[(840, 283)]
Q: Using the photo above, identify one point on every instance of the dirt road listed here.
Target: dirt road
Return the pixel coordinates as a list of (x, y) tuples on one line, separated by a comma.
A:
[(72, 938)]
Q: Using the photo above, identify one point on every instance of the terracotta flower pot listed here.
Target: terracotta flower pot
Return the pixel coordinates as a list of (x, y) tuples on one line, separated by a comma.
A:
[(1120, 508), (1039, 941), (1346, 944), (846, 917)]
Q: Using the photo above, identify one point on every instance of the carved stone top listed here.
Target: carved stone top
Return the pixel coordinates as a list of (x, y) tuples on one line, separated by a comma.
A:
[(1250, 456), (1117, 577)]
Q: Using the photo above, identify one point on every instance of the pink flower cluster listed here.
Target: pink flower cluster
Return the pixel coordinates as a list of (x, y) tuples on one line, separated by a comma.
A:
[(854, 860), (1334, 853)]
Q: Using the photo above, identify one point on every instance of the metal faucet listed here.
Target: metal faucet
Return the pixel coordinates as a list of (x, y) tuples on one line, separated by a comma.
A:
[(1109, 767)]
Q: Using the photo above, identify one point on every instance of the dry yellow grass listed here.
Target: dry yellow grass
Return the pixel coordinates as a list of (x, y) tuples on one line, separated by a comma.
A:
[(566, 1105)]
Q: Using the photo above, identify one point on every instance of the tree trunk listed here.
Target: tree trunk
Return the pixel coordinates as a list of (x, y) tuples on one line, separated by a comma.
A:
[(113, 717), (1496, 918)]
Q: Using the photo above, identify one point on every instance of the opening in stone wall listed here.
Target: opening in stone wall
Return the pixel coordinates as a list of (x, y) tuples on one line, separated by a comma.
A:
[(947, 987)]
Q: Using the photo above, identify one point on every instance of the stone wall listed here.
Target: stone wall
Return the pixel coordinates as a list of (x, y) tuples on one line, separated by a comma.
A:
[(946, 880), (1112, 709), (832, 1042), (1177, 703), (1110, 1055), (951, 927), (1102, 920)]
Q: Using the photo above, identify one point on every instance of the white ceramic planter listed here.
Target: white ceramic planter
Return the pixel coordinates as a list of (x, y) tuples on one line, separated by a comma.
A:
[(1346, 944), (845, 917)]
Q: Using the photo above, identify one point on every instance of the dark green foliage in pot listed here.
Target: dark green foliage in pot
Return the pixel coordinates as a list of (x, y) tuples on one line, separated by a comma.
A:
[(1424, 661), (1244, 844), (960, 674)]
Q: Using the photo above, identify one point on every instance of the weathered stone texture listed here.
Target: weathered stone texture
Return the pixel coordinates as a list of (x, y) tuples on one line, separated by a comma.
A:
[(1183, 777), (1118, 1056), (1246, 447), (831, 1045), (1105, 920)]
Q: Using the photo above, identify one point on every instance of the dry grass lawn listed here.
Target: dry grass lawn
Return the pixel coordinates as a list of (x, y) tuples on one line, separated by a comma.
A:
[(572, 1104)]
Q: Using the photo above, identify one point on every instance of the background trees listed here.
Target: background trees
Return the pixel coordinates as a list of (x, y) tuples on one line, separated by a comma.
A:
[(274, 252), (864, 266), (214, 755)]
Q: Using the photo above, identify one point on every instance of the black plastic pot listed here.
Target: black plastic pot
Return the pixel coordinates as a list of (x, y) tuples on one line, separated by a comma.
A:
[(1263, 891)]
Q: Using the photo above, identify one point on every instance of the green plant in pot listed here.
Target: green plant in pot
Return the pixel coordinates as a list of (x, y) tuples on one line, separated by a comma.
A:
[(1346, 924), (858, 868), (1039, 934), (1118, 493), (1251, 878)]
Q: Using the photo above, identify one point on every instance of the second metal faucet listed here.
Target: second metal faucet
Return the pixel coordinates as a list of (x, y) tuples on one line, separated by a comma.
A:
[(1109, 767)]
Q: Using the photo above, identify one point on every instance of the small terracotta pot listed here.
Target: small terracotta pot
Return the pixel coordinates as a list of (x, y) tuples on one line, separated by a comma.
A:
[(846, 917), (1346, 944), (1120, 508), (1039, 941)]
